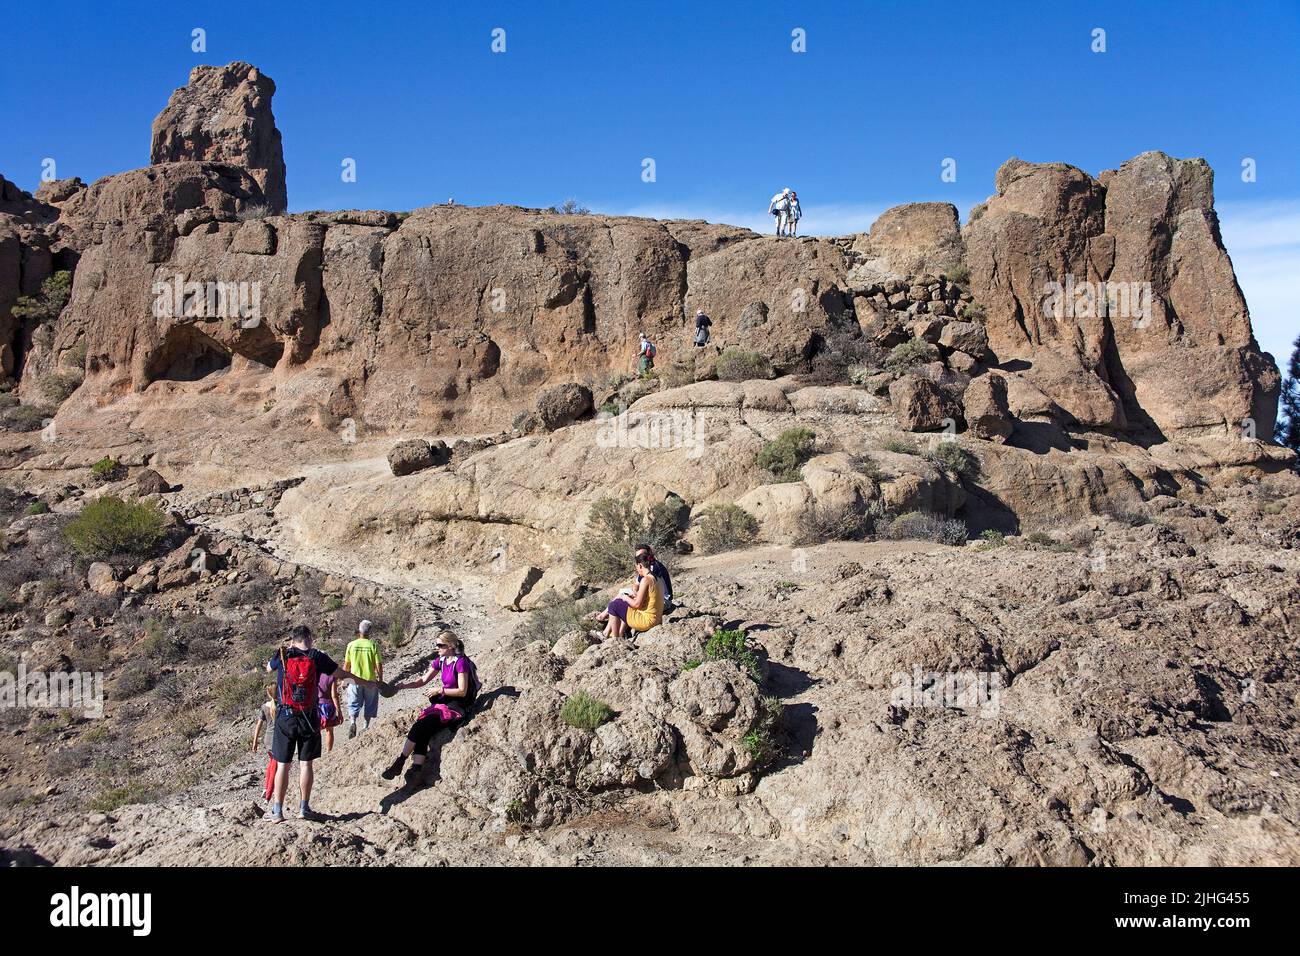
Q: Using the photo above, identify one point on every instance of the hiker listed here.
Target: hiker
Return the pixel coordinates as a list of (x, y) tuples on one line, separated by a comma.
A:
[(449, 701), (702, 323), (779, 207), (331, 714), (297, 668), (647, 355), (266, 715), (645, 553), (362, 658), (637, 610), (794, 214)]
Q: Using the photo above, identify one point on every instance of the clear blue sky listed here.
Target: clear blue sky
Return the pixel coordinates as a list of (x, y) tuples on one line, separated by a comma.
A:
[(711, 91)]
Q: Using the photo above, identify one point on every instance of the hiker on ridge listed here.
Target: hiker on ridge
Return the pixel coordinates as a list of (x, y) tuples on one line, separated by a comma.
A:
[(780, 207), (794, 214), (450, 700), (646, 353), (298, 668)]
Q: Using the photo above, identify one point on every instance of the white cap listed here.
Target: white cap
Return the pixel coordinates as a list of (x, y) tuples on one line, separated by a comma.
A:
[(363, 627)]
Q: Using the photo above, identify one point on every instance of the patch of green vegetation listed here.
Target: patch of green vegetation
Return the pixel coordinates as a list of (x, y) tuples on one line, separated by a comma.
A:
[(722, 528), (901, 446), (739, 365), (236, 693), (761, 740), (136, 677), (951, 457), (552, 621), (585, 712), (1044, 540), (110, 525), (959, 273), (727, 645), (614, 529), (992, 539), (784, 457), (910, 354), (924, 526), (37, 507), (690, 665), (107, 469), (24, 418), (110, 800), (48, 303)]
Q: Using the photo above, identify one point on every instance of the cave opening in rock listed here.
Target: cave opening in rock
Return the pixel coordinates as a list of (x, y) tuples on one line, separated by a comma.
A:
[(188, 355)]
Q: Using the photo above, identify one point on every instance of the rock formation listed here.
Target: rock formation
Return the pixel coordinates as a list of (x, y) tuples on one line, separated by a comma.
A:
[(223, 115)]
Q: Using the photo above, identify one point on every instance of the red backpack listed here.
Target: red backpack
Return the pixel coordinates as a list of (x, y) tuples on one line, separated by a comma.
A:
[(299, 683)]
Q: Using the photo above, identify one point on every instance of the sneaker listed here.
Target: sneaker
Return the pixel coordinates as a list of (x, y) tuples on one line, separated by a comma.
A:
[(308, 814), (393, 770), (273, 815), (352, 729)]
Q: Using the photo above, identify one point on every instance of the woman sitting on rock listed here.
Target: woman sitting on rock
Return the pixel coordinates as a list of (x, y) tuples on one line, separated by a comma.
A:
[(638, 608), (448, 701)]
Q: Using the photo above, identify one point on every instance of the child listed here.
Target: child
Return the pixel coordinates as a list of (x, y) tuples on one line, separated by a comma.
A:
[(266, 715), (327, 700), (362, 658)]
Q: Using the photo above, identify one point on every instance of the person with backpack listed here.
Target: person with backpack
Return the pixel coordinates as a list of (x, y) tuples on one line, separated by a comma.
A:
[(647, 353), (638, 609), (645, 556), (780, 207), (298, 668), (363, 658), (450, 701), (702, 323)]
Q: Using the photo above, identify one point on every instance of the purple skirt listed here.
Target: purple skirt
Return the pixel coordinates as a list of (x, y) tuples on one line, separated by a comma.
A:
[(618, 608)]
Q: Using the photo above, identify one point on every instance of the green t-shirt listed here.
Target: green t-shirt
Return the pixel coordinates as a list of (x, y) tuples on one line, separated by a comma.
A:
[(362, 658)]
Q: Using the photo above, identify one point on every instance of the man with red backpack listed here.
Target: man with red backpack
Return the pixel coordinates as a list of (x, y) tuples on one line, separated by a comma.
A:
[(298, 668)]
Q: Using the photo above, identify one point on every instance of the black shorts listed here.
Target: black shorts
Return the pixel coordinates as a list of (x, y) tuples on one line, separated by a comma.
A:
[(295, 730)]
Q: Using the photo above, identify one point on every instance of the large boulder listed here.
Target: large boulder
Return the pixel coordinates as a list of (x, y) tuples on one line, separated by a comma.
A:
[(408, 457), (223, 115), (562, 405), (908, 240), (986, 410), (920, 404)]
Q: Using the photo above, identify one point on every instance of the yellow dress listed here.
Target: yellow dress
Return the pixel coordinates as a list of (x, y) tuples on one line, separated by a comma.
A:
[(653, 613)]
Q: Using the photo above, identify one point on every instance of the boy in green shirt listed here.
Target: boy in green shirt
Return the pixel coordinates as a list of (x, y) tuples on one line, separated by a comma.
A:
[(363, 659)]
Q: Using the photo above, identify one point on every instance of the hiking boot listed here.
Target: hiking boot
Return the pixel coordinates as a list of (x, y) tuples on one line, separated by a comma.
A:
[(352, 729), (414, 779), (273, 815), (393, 770)]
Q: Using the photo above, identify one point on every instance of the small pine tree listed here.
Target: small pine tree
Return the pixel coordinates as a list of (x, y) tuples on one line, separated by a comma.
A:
[(1287, 430)]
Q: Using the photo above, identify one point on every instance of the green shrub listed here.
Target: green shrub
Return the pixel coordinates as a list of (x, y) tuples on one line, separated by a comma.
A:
[(901, 446), (993, 539), (841, 522), (585, 712), (959, 273), (333, 603), (240, 693), (59, 386), (136, 677), (739, 365), (106, 470), (910, 354), (690, 665), (923, 526), (48, 303), (972, 312), (24, 418), (37, 507), (552, 621), (1044, 540), (401, 623), (866, 465), (761, 741), (614, 528), (950, 456), (110, 526), (727, 645), (158, 645), (724, 528), (110, 800), (784, 456)]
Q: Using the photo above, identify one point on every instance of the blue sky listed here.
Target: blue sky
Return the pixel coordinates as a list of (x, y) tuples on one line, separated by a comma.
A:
[(712, 92)]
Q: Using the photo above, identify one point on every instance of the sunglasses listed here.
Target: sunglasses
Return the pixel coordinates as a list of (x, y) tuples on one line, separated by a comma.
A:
[(444, 647)]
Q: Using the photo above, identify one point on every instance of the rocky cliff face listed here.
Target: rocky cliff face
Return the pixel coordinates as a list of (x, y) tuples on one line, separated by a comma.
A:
[(1094, 306)]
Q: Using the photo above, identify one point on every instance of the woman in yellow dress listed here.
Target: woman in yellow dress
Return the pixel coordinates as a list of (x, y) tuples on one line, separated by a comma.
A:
[(639, 608)]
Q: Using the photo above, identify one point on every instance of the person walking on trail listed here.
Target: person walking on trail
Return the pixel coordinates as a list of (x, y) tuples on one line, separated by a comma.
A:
[(363, 658), (702, 323), (780, 208), (327, 702), (646, 353), (453, 696), (794, 214), (298, 667)]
